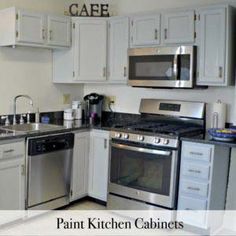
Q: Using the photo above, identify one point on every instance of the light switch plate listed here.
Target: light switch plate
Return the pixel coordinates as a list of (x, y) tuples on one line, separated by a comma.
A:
[(66, 99)]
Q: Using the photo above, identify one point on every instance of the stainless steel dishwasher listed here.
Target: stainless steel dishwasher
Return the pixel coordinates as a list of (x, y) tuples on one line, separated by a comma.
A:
[(49, 171)]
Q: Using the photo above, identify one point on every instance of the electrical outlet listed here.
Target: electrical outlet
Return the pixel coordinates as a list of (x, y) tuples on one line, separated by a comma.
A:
[(112, 100), (66, 99)]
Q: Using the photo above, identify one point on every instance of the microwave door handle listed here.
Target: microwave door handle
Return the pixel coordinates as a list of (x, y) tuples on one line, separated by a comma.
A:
[(142, 150), (175, 67)]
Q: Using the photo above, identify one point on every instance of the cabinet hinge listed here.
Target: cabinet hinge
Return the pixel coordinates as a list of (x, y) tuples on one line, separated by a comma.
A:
[(23, 170), (73, 74), (199, 17), (17, 34), (17, 16), (195, 17), (195, 34), (71, 193), (73, 25)]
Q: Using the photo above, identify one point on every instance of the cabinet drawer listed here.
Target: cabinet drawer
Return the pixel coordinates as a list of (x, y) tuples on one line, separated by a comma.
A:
[(191, 187), (197, 152), (195, 214), (188, 203), (10, 150), (195, 171)]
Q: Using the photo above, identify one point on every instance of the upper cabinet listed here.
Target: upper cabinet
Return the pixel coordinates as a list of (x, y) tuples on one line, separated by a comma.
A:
[(178, 27), (145, 30), (215, 46), (118, 47), (90, 51), (26, 28), (58, 31)]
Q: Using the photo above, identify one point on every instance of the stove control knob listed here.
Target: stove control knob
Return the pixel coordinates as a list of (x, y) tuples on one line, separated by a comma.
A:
[(118, 135), (140, 138), (125, 136), (166, 141), (157, 140)]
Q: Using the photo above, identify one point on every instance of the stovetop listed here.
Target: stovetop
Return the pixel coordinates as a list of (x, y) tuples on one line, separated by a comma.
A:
[(171, 129)]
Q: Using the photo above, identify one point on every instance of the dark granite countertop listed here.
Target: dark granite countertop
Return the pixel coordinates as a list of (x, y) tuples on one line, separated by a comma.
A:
[(208, 140)]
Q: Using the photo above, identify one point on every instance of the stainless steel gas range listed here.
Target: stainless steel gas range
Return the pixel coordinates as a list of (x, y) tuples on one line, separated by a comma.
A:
[(144, 156)]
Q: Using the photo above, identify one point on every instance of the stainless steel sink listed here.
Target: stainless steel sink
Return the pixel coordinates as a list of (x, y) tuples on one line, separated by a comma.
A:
[(32, 127)]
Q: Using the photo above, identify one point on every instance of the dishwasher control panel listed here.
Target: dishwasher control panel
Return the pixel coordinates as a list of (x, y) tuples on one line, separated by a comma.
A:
[(47, 144)]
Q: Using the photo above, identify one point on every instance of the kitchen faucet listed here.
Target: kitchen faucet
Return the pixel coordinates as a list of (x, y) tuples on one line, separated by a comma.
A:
[(15, 99)]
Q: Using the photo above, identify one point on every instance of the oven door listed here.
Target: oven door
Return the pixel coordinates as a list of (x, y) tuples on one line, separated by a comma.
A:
[(143, 174), (162, 67)]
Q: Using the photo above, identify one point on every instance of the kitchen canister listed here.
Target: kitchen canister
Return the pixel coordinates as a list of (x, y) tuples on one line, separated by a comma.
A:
[(68, 114), (77, 108), (218, 115)]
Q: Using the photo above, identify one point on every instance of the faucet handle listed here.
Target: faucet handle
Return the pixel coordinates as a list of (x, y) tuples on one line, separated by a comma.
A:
[(7, 122), (22, 118)]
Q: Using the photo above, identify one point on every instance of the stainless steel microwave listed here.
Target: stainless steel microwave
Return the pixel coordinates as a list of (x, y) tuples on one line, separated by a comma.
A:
[(164, 67)]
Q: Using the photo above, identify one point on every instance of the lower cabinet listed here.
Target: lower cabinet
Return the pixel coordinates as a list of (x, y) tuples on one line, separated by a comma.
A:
[(98, 164), (203, 181), (12, 175), (79, 180)]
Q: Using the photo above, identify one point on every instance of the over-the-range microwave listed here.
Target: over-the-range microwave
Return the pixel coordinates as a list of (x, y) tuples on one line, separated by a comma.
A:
[(162, 67)]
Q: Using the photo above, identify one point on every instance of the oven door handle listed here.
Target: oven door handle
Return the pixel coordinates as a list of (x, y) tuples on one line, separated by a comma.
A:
[(143, 150)]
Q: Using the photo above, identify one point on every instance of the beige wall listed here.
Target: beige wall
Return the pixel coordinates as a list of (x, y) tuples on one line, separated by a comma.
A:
[(128, 100), (29, 70)]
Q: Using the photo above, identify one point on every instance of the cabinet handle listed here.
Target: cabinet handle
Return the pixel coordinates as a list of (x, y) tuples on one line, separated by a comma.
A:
[(50, 35), (196, 153), (105, 143), (193, 188), (220, 71), (43, 33), (156, 34), (194, 171), (9, 151), (104, 71), (165, 33), (125, 71)]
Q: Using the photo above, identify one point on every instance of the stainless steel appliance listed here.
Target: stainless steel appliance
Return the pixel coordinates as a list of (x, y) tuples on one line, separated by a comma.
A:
[(94, 107), (49, 171), (144, 157), (170, 67)]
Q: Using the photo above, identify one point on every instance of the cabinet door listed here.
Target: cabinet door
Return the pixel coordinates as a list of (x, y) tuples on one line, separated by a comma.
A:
[(79, 185), (145, 30), (98, 164), (212, 46), (178, 27), (118, 46), (31, 27), (90, 50), (12, 180), (59, 31)]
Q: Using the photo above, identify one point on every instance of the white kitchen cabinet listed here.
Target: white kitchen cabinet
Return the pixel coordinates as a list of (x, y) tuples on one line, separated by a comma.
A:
[(200, 185), (118, 47), (98, 164), (90, 52), (12, 175), (79, 180), (26, 28), (59, 31), (215, 50), (178, 27), (145, 30)]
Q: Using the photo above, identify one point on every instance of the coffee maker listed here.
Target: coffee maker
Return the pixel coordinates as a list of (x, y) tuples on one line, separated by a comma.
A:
[(94, 105)]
